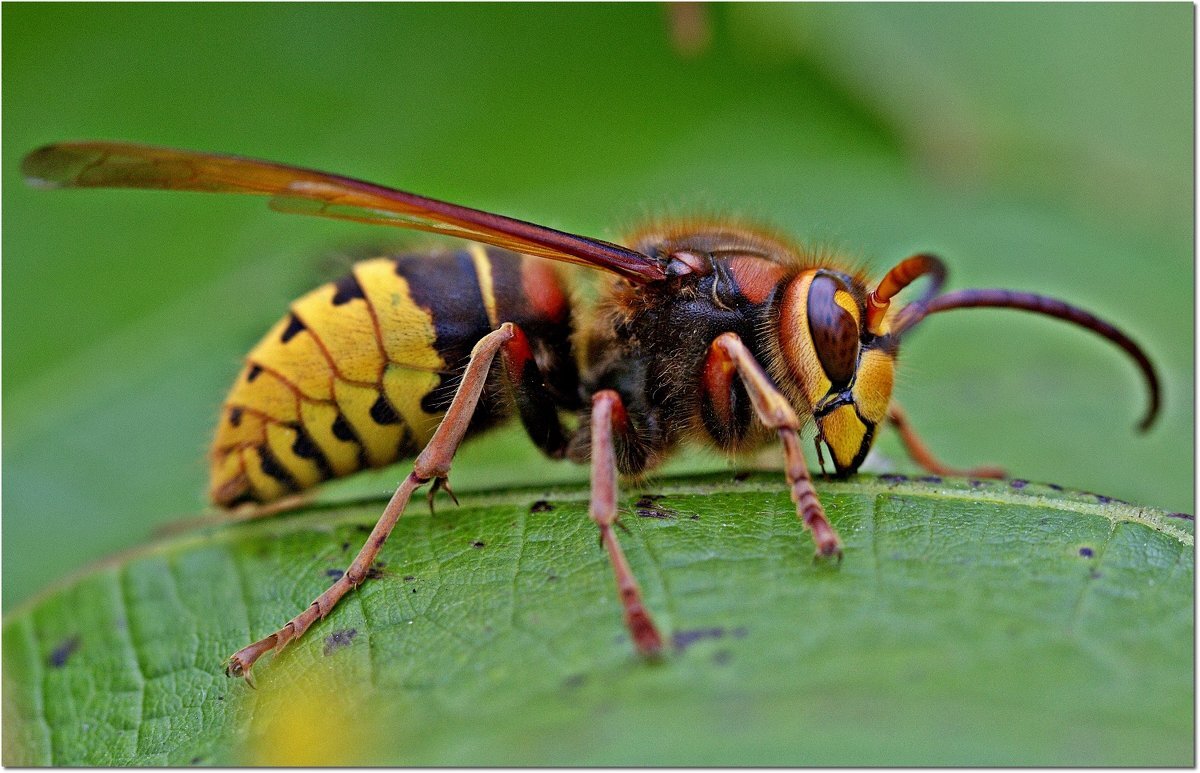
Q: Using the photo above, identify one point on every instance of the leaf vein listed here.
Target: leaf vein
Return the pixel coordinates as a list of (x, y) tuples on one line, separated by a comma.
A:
[(125, 610)]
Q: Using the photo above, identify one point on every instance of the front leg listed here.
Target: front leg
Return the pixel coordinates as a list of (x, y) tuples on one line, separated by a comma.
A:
[(727, 355)]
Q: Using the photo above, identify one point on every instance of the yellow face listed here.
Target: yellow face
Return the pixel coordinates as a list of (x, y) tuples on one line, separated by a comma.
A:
[(845, 372)]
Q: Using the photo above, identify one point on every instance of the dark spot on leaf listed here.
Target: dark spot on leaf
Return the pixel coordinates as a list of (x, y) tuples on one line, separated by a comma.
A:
[(741, 476), (375, 572), (334, 573), (345, 546), (893, 478), (552, 577), (253, 373), (1086, 552), (1095, 574), (684, 639), (196, 760), (693, 517), (365, 529), (477, 544), (1184, 516), (339, 639), (1054, 487), (975, 483), (930, 479), (294, 327), (541, 506), (63, 652), (235, 416), (409, 578), (647, 507), (1018, 484), (414, 590), (722, 657), (661, 513), (740, 632), (574, 681)]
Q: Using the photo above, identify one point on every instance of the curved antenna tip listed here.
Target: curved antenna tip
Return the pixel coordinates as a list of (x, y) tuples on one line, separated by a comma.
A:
[(1051, 307), (1146, 423)]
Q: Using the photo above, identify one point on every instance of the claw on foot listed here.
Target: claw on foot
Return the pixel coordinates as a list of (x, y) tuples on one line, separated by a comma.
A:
[(826, 539), (825, 551), (236, 667), (440, 484), (241, 663)]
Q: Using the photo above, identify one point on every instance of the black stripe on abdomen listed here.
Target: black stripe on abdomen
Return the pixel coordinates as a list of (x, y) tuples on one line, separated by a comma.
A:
[(447, 287)]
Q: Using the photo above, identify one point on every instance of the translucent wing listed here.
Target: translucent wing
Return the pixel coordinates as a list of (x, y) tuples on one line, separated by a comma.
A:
[(303, 191)]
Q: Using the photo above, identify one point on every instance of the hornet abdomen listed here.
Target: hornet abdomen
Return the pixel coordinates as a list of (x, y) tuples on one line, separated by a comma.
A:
[(361, 370)]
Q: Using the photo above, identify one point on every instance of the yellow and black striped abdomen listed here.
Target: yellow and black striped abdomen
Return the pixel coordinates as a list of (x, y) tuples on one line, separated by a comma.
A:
[(361, 370)]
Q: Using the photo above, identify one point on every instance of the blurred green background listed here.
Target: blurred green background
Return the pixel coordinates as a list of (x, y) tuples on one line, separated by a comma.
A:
[(1040, 147)]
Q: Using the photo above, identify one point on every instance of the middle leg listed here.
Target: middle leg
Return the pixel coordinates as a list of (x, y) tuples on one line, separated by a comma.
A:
[(608, 412)]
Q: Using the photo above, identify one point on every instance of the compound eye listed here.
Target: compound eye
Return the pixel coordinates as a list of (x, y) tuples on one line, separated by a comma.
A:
[(833, 322)]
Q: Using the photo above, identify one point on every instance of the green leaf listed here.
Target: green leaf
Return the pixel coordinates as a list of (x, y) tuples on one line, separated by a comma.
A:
[(970, 623)]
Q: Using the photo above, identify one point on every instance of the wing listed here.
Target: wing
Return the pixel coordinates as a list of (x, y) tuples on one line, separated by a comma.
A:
[(303, 191)]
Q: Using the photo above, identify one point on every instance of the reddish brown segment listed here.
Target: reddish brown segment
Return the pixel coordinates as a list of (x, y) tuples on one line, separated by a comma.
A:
[(716, 380), (516, 355), (900, 276), (128, 165), (756, 278), (792, 335), (544, 291)]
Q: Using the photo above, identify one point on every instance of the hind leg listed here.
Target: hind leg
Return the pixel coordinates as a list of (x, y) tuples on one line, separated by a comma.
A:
[(433, 464)]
